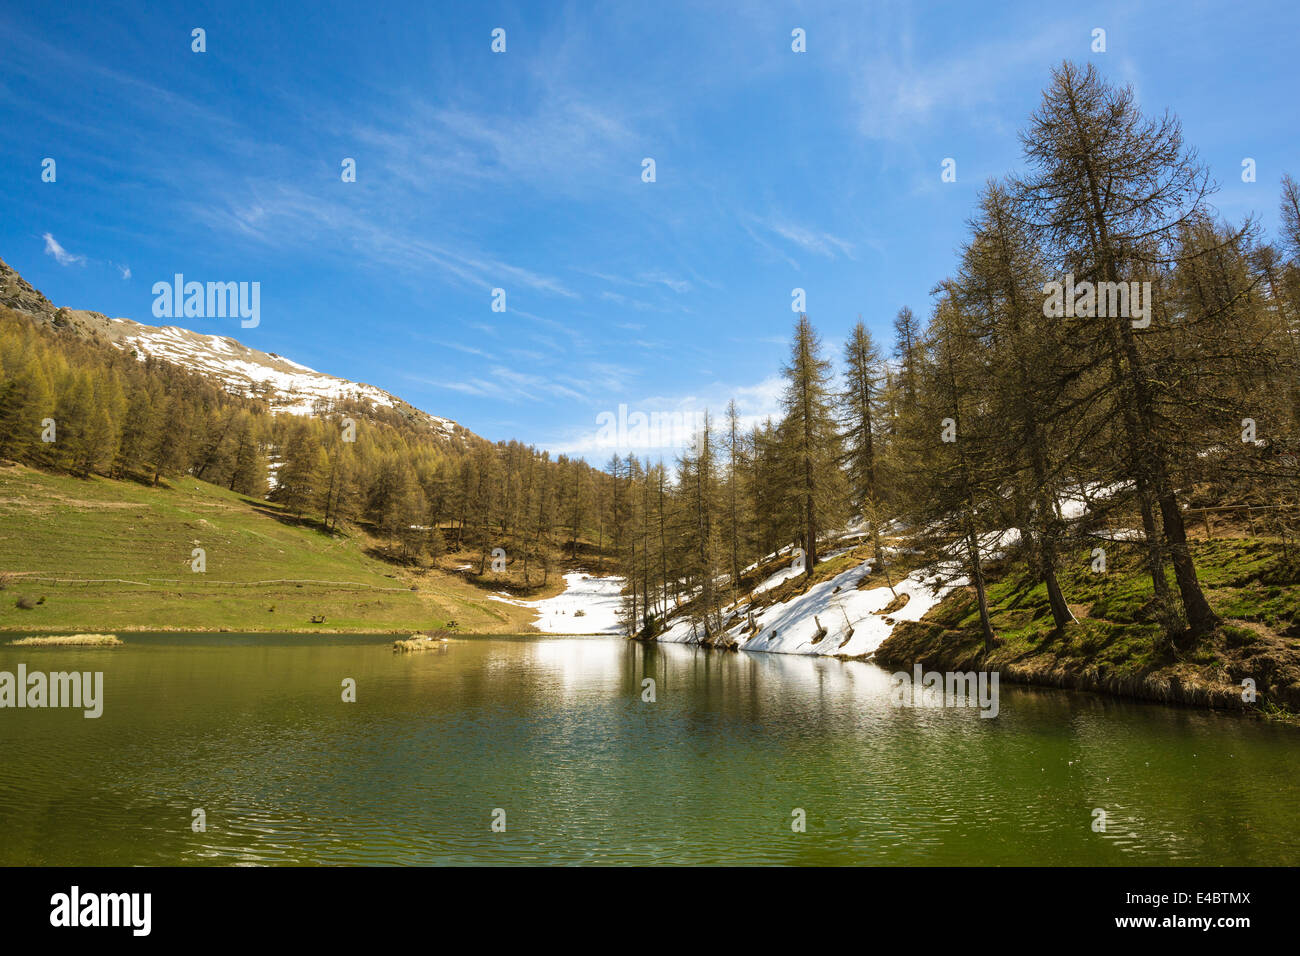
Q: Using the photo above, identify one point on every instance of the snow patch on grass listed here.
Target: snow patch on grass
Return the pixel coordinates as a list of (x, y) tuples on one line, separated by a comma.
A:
[(596, 598)]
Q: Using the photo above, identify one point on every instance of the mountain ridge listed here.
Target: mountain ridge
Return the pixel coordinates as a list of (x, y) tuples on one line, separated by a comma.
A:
[(286, 386)]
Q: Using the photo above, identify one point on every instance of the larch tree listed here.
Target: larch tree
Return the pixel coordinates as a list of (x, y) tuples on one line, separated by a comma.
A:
[(860, 408), (812, 452), (1106, 187), (1001, 278)]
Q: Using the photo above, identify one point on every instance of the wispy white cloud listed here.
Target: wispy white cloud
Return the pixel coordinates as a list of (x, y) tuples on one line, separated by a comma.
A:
[(61, 255), (643, 280), (763, 243), (467, 349), (560, 144), (821, 243), (505, 384), (655, 296), (899, 95), (679, 286), (285, 215), (477, 386)]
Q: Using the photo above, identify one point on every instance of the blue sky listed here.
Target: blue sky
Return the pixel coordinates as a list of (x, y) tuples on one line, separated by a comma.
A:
[(522, 171)]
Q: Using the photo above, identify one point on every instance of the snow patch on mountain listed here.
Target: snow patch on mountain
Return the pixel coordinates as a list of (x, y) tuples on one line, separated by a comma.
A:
[(286, 385)]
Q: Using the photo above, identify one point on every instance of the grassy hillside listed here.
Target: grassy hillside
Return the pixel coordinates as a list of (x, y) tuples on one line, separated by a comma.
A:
[(109, 555), (1118, 643)]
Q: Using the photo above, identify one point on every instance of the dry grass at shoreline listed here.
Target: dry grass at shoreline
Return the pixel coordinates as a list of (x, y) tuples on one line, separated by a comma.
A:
[(69, 640), (419, 642)]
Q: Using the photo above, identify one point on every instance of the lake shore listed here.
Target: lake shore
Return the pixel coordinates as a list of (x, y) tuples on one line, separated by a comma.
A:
[(896, 634), (1065, 664), (1243, 666)]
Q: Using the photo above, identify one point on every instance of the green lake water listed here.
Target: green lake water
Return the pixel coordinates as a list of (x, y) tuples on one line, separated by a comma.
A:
[(553, 731)]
